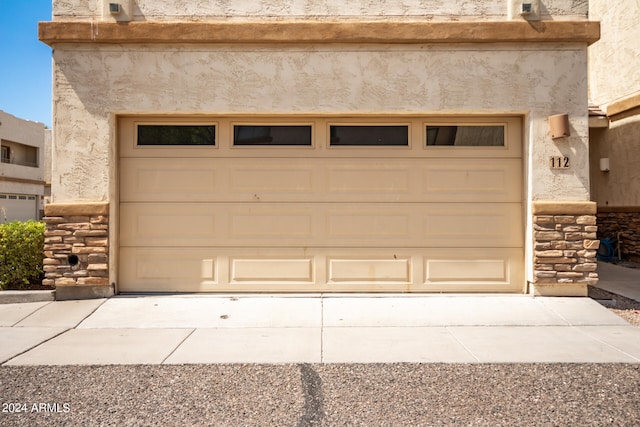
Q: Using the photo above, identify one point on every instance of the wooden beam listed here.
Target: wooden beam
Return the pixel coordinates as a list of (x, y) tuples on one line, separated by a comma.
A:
[(56, 32)]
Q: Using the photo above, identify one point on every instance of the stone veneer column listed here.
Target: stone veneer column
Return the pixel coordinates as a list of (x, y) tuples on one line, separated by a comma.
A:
[(76, 250), (565, 246)]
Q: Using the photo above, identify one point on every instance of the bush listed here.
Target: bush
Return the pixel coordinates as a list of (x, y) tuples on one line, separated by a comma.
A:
[(21, 253)]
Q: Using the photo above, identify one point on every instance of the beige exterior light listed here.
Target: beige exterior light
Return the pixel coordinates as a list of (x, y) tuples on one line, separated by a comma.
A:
[(559, 126)]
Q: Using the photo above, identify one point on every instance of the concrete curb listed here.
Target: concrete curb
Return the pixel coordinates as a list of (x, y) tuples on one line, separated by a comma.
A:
[(13, 297)]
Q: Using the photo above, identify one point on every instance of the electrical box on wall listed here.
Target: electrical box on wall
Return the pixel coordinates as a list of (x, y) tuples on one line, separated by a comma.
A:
[(528, 10), (117, 10)]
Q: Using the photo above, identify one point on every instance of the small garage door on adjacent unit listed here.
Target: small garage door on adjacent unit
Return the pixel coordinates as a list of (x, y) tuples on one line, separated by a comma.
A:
[(320, 204), (17, 207)]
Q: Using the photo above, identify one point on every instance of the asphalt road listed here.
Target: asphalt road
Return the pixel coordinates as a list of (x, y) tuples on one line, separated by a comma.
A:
[(329, 395)]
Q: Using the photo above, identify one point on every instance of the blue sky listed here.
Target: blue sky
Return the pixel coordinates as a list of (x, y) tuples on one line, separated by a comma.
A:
[(25, 62)]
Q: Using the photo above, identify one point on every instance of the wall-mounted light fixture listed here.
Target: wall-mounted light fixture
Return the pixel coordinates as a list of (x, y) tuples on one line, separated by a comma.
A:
[(114, 8), (117, 10), (604, 164), (559, 126), (528, 10)]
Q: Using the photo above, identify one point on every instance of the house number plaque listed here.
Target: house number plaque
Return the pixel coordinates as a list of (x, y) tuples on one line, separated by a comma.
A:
[(559, 162)]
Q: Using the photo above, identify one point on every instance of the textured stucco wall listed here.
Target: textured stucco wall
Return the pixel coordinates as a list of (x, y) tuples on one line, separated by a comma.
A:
[(621, 145), (93, 83), (613, 60), (154, 10), (46, 157), (613, 75)]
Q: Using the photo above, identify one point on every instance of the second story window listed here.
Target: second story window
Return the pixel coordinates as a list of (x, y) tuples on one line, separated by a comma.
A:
[(19, 154), (6, 154)]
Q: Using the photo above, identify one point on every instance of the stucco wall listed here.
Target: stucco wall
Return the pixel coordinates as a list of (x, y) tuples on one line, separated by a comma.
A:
[(613, 59), (621, 145), (46, 156), (93, 83), (153, 10), (614, 76), (27, 133), (18, 179)]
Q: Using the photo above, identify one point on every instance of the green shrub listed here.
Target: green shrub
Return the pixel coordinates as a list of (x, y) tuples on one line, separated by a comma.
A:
[(21, 253)]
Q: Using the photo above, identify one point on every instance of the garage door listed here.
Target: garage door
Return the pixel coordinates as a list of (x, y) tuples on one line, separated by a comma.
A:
[(17, 207), (327, 204)]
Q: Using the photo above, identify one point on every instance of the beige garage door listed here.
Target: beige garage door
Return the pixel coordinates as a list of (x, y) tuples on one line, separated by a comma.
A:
[(320, 205)]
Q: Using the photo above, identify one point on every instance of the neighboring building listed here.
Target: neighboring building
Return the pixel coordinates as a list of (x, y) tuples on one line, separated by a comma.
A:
[(614, 84), (48, 136), (305, 146), (22, 168)]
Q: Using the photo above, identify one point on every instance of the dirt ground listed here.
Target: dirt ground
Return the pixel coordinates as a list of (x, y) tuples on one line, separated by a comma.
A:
[(626, 308)]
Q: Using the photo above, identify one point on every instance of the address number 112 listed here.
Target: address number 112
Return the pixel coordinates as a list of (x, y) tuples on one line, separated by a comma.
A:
[(559, 162)]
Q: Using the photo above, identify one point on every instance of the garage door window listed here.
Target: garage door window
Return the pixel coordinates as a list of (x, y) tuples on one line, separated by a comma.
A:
[(271, 135), (369, 135), (180, 135), (465, 136)]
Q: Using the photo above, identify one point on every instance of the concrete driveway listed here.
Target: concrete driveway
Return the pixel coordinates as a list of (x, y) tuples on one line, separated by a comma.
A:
[(314, 329)]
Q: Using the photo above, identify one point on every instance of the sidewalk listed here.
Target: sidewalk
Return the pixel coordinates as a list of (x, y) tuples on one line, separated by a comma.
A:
[(619, 280), (197, 329)]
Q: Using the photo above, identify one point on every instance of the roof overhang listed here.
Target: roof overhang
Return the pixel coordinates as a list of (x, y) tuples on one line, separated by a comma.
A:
[(624, 107), (296, 31)]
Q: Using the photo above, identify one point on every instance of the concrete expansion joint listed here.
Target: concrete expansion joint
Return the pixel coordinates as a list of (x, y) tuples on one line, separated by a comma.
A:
[(177, 346), (37, 344), (92, 312), (322, 326), (31, 314), (612, 347), (462, 344)]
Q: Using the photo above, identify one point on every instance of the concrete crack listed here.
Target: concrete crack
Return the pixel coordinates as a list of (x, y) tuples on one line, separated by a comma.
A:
[(313, 402)]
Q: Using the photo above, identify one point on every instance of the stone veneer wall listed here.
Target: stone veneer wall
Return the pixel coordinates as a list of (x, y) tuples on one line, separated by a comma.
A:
[(565, 248), (80, 231), (623, 220)]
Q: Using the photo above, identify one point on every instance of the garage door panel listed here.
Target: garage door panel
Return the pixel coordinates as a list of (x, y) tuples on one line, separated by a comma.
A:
[(320, 269), (169, 224), (320, 180), (472, 225), (354, 270), (473, 180), (322, 224), (269, 269), (271, 223), (474, 269), (271, 178), (167, 269), (367, 224), (393, 178), (178, 179)]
